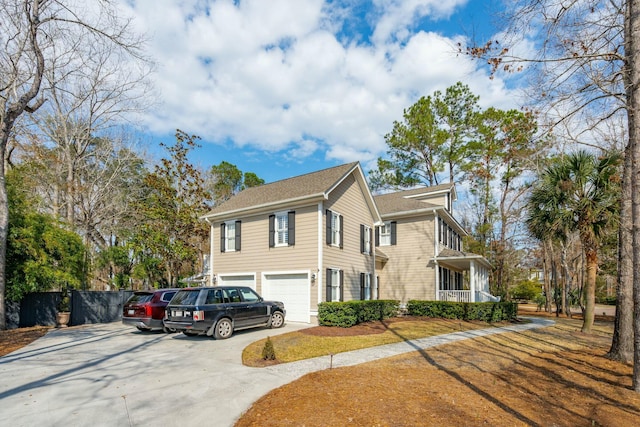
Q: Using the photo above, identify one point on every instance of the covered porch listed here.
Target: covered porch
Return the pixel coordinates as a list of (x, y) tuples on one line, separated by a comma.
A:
[(462, 277)]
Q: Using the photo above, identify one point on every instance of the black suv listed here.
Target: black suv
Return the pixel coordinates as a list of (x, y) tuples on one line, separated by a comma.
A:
[(218, 311)]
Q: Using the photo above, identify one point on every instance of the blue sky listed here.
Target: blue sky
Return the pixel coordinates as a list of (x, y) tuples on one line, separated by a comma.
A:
[(285, 87)]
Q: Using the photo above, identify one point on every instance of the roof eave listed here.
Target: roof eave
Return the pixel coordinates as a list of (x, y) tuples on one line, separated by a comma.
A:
[(280, 204)]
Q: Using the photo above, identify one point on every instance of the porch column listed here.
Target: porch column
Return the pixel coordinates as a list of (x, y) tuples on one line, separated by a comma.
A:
[(472, 280), (437, 284)]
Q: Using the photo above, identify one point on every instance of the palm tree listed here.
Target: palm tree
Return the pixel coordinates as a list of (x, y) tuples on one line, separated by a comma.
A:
[(577, 193)]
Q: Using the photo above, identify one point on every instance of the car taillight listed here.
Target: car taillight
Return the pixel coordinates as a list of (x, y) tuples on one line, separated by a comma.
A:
[(198, 315), (147, 310)]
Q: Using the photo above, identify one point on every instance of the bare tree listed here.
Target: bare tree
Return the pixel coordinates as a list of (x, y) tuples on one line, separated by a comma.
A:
[(96, 94), (583, 59), (36, 37)]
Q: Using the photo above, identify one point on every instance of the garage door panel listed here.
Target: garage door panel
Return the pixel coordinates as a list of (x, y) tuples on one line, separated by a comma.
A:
[(293, 290)]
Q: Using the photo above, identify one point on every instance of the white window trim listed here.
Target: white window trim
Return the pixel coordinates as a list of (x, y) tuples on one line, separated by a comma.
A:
[(229, 237), (367, 240), (285, 215), (367, 287), (335, 231), (335, 284), (387, 236)]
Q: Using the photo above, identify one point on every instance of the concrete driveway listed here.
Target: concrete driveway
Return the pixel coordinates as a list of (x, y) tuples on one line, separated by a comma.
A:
[(112, 375)]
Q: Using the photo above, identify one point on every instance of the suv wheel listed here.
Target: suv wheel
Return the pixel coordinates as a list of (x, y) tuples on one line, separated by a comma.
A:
[(277, 320), (224, 329)]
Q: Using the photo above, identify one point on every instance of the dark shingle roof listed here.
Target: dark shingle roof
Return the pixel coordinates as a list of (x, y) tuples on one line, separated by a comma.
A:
[(397, 202), (298, 187)]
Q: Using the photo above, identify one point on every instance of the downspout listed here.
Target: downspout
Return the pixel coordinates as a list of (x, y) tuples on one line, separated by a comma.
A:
[(320, 267), (210, 278)]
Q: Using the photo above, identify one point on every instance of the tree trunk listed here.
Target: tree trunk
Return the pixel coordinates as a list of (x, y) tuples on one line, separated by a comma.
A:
[(4, 223), (632, 79), (565, 282), (622, 342), (590, 290), (546, 271)]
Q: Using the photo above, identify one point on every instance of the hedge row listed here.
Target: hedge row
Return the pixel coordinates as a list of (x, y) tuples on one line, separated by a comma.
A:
[(485, 311), (349, 313)]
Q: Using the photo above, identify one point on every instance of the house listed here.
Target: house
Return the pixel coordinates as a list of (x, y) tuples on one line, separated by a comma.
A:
[(419, 249), (324, 237)]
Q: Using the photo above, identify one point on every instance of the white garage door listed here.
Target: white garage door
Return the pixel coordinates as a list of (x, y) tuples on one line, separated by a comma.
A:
[(245, 280), (293, 290)]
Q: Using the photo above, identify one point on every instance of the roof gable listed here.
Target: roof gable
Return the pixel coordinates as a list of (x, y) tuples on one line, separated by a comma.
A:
[(314, 185)]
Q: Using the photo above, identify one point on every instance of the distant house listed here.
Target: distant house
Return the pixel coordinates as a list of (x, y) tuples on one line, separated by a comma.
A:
[(323, 237)]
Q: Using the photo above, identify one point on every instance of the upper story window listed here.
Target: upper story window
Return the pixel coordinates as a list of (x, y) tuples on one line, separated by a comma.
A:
[(282, 229), (230, 236), (448, 236), (365, 239), (334, 228), (386, 234)]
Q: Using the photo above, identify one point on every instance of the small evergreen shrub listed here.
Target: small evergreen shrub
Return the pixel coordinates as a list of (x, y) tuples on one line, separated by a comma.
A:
[(268, 352), (485, 311), (349, 313)]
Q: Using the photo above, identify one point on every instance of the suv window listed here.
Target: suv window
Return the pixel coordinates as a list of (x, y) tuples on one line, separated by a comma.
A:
[(166, 297), (234, 296), (249, 295), (140, 298), (186, 297), (214, 296)]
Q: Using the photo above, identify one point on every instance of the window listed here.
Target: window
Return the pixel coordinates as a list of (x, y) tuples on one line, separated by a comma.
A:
[(334, 228), (334, 285), (365, 239), (386, 234), (448, 236), (230, 236), (365, 286), (282, 229), (249, 295)]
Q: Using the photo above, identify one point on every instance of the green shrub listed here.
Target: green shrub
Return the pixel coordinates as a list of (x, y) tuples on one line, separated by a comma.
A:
[(526, 290), (350, 313), (485, 311)]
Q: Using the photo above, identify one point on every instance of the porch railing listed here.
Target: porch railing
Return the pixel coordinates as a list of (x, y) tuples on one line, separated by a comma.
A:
[(465, 296), (454, 296)]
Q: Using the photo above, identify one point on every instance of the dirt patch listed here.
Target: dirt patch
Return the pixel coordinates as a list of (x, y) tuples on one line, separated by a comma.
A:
[(554, 376), (14, 339)]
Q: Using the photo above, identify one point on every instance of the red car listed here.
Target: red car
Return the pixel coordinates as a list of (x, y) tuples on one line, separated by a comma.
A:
[(145, 309)]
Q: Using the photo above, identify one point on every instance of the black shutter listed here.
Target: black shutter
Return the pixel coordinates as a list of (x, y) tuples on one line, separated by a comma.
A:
[(328, 281), (223, 227), (361, 286), (328, 219), (292, 228), (370, 249), (238, 233), (377, 285), (362, 239), (377, 236), (341, 285), (341, 219), (393, 233), (272, 231)]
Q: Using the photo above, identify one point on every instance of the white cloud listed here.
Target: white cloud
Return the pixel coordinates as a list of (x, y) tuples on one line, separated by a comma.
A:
[(280, 74)]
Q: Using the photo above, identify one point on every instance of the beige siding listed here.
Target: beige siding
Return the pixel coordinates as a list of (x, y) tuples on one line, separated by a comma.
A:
[(349, 201), (409, 272), (257, 257)]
